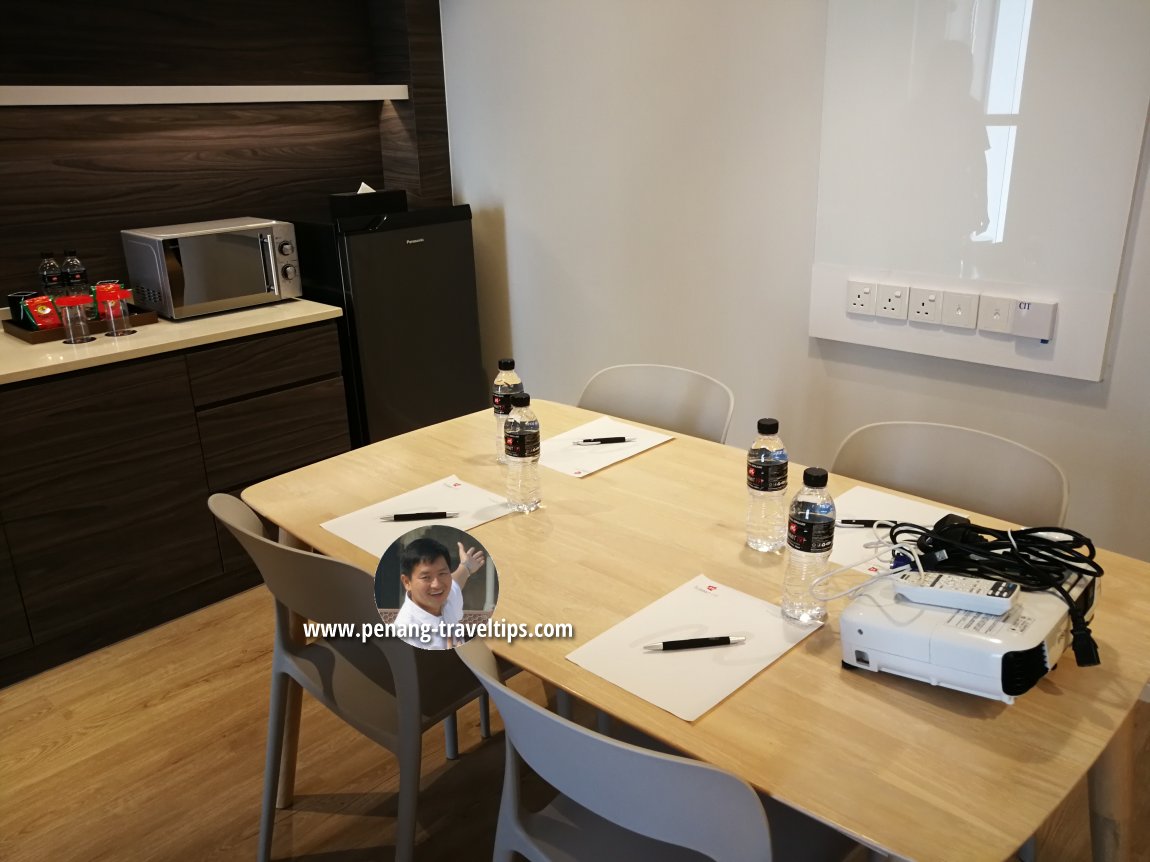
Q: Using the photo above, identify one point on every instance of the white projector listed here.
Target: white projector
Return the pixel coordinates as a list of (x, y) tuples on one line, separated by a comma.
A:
[(999, 657)]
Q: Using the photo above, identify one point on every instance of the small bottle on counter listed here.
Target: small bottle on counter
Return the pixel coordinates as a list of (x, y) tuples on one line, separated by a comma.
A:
[(75, 276), (50, 280)]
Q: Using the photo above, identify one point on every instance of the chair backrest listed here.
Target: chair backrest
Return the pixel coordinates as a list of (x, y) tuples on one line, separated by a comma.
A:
[(315, 587), (677, 399), (970, 469), (672, 799)]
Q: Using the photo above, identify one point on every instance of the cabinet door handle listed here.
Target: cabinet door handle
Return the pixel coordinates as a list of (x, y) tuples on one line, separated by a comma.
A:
[(267, 256)]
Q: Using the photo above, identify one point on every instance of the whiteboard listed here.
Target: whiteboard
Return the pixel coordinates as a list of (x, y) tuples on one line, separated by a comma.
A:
[(989, 143)]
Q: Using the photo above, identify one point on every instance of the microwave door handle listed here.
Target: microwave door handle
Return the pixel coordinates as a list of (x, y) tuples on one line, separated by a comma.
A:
[(267, 256)]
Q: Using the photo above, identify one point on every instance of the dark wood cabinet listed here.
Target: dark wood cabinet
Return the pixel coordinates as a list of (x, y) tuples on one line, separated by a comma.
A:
[(104, 499), (110, 517)]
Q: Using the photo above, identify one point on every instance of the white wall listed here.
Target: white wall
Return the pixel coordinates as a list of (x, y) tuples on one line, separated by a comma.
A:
[(644, 175)]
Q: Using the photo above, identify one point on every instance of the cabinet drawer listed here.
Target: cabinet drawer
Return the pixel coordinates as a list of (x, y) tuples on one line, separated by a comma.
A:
[(263, 363), (261, 437)]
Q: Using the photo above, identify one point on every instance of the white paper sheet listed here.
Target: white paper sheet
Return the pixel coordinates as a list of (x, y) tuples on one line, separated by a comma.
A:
[(687, 683), (869, 504), (364, 529), (560, 452)]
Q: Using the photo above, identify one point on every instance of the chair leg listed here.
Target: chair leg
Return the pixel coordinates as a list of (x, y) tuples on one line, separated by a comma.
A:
[(285, 795), (451, 737), (1028, 851), (409, 756), (293, 704), (485, 715), (276, 714)]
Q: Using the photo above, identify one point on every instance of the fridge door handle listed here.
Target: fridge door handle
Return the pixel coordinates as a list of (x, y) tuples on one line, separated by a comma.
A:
[(267, 257)]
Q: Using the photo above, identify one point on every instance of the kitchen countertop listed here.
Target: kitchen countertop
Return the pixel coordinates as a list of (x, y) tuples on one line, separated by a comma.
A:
[(22, 361)]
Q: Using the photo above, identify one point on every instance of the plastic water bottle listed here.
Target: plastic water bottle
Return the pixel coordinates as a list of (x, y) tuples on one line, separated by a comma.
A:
[(810, 537), (506, 384), (74, 275), (521, 444), (767, 489), (49, 272)]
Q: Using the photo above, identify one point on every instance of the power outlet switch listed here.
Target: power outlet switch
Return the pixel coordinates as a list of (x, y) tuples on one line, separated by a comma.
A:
[(861, 298), (925, 305), (892, 301)]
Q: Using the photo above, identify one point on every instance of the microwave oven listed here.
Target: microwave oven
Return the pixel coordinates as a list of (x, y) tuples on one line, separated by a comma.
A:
[(184, 270)]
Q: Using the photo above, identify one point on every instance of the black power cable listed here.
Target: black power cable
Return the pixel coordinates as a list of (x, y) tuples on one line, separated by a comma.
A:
[(1035, 558)]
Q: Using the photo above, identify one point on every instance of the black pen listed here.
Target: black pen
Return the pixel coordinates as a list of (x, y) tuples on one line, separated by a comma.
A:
[(599, 441), (696, 643), (855, 522), (420, 516)]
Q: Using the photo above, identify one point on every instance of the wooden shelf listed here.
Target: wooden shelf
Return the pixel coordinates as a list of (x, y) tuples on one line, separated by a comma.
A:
[(80, 95)]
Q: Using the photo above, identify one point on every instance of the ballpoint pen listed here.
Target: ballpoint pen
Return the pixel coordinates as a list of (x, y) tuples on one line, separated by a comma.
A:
[(419, 516), (696, 643), (599, 441)]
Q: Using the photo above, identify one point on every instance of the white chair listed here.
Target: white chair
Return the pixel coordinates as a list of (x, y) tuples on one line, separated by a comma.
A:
[(386, 689), (969, 469), (677, 399), (618, 801)]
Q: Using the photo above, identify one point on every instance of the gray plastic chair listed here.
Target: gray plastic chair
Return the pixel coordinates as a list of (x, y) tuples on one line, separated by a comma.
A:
[(970, 469), (618, 801), (677, 399), (386, 689)]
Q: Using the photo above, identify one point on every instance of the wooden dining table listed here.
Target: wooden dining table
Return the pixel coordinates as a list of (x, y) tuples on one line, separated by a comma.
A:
[(909, 769)]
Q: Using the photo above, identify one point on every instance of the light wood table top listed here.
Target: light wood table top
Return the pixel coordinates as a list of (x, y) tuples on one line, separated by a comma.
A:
[(918, 771)]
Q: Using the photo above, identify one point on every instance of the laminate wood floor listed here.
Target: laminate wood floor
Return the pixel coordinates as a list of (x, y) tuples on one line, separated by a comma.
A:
[(153, 749)]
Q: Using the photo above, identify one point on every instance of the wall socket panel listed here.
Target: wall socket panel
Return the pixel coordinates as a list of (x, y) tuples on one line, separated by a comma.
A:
[(861, 298), (955, 309), (1054, 328), (892, 301), (925, 305)]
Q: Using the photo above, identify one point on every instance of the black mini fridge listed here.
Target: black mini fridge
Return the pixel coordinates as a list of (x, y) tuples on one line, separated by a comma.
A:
[(410, 327)]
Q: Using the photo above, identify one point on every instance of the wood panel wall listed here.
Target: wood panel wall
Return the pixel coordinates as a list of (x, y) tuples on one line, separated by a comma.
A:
[(73, 177)]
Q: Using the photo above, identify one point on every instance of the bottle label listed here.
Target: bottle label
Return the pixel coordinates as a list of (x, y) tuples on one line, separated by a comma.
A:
[(73, 279), (522, 445), (501, 403), (50, 281), (812, 537), (767, 477)]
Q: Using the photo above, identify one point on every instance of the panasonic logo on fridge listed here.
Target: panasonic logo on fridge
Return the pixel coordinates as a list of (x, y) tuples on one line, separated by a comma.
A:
[(414, 241)]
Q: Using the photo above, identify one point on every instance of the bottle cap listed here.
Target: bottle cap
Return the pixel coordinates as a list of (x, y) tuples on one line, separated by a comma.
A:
[(506, 364), (768, 426), (815, 477), (520, 399)]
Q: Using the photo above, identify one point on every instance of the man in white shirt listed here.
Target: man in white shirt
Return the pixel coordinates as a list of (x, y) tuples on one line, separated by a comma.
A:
[(434, 591)]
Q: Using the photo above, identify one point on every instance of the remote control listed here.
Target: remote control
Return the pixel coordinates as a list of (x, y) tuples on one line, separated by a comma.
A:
[(957, 591)]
